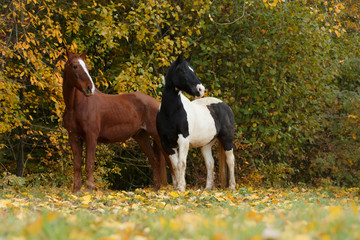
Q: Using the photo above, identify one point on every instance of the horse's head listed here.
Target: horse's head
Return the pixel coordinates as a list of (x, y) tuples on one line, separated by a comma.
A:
[(183, 77), (77, 74)]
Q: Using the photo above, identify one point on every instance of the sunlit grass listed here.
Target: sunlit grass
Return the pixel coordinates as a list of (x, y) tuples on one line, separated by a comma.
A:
[(324, 213)]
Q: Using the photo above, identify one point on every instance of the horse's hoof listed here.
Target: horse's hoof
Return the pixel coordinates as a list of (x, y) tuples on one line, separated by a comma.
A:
[(90, 186), (76, 189), (180, 189)]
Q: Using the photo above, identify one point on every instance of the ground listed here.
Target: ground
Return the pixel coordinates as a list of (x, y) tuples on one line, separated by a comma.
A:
[(247, 213)]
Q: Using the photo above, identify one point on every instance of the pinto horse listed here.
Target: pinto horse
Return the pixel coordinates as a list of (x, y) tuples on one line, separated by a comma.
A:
[(94, 117), (182, 123)]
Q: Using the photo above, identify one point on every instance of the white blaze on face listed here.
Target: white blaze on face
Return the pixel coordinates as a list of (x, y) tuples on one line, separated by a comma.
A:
[(191, 69), (83, 65), (201, 89)]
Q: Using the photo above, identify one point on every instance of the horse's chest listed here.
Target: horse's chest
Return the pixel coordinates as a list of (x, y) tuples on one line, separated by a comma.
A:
[(76, 122)]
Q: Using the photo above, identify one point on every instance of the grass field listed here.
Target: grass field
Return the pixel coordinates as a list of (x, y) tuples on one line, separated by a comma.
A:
[(247, 213)]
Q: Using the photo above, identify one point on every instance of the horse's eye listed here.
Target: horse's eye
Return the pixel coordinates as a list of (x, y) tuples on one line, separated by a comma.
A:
[(75, 67)]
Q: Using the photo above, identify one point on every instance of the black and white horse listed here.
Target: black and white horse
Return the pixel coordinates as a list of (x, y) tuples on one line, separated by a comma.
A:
[(182, 123)]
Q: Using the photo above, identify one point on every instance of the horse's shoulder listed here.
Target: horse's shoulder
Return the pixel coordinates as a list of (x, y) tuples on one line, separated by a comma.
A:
[(147, 100)]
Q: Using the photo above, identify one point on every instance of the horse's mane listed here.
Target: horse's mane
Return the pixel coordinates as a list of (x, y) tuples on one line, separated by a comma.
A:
[(174, 65), (171, 68)]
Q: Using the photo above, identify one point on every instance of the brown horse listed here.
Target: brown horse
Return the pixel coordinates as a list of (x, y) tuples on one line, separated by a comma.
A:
[(94, 117)]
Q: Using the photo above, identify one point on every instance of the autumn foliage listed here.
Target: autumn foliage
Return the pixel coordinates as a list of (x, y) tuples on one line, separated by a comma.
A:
[(288, 69)]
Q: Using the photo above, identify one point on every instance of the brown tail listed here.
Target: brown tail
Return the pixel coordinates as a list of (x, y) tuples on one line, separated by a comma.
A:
[(162, 162), (223, 171)]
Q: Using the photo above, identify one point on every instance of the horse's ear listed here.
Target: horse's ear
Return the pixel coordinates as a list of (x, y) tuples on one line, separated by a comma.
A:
[(68, 53), (83, 55), (180, 58), (188, 59)]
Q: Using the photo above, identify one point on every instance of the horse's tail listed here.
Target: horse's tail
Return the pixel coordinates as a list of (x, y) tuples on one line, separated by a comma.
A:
[(223, 172)]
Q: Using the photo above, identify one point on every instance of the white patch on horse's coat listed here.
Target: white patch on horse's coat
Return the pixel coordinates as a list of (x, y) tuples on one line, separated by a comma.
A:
[(178, 161), (83, 65), (230, 160), (183, 143), (207, 101), (200, 122), (209, 162), (191, 69)]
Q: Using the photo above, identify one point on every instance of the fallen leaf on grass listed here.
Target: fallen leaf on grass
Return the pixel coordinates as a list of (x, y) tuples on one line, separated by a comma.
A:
[(86, 199), (4, 203), (174, 194)]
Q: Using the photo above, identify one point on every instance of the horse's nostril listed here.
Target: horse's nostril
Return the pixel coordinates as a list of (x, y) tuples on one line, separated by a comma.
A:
[(88, 89)]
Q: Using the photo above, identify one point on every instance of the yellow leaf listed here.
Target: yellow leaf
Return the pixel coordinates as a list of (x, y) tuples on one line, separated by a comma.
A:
[(174, 194), (354, 207), (86, 199), (338, 34), (275, 3), (325, 237), (255, 216), (283, 217), (163, 222), (336, 211), (35, 227), (4, 203), (354, 136)]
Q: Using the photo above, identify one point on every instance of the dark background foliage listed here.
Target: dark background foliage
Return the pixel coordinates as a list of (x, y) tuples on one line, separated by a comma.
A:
[(289, 70)]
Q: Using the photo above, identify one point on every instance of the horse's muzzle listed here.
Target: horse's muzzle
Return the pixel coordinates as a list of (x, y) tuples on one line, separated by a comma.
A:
[(201, 90), (88, 91)]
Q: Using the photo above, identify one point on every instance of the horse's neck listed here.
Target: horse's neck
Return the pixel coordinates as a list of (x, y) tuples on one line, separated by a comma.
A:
[(172, 100), (70, 94)]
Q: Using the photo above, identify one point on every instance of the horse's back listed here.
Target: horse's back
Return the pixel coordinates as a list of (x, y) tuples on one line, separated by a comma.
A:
[(210, 118), (218, 108), (139, 100), (122, 115), (207, 101)]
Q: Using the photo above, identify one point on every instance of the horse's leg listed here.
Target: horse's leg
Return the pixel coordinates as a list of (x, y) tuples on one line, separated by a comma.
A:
[(76, 147), (183, 144), (91, 143), (174, 159), (171, 168), (167, 160), (209, 163), (230, 160), (143, 139), (159, 154)]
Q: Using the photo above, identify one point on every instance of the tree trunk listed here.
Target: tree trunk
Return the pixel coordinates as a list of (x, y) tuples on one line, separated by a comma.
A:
[(20, 160)]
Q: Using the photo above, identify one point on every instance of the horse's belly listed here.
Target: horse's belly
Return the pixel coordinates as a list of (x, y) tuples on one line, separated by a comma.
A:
[(116, 133)]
